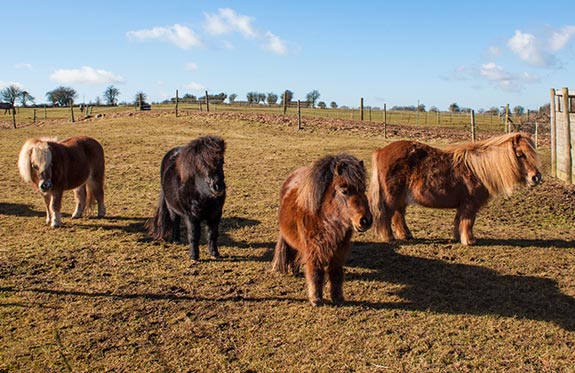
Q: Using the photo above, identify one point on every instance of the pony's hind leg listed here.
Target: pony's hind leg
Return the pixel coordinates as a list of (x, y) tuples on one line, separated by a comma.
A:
[(402, 231), (95, 193), (285, 257), (194, 232), (463, 229), (336, 276), (175, 226), (315, 278), (80, 197)]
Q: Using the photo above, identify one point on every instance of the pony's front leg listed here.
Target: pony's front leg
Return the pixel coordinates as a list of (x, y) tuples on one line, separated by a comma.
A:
[(47, 199), (55, 206), (315, 278), (213, 232), (175, 227), (463, 231), (194, 231), (336, 276), (80, 197)]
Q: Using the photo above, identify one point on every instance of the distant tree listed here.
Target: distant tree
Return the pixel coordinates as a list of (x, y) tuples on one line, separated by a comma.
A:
[(26, 98), (140, 97), (272, 98), (288, 96), (312, 97), (261, 97), (111, 95), (454, 108), (421, 108), (333, 105), (321, 105), (433, 109), (252, 97), (232, 98), (11, 94), (492, 111), (518, 110), (62, 96), (189, 98), (545, 109)]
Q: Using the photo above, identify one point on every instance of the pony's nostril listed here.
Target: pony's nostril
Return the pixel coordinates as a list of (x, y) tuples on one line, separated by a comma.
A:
[(536, 178), (365, 222)]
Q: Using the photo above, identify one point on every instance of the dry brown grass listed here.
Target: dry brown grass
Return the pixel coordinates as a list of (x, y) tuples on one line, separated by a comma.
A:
[(99, 295)]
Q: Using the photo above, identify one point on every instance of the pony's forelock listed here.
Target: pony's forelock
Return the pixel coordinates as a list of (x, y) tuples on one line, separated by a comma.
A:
[(36, 145), (205, 153), (319, 176)]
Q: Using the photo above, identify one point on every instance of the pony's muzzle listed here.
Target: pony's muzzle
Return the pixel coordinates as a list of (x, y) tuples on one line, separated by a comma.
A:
[(536, 179), (45, 185), (365, 223)]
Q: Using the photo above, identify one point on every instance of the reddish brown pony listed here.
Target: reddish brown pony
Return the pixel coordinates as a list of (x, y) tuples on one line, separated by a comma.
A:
[(460, 177), (53, 167), (320, 206)]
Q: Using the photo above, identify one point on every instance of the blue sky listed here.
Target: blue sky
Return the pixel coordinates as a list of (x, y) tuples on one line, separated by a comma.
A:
[(478, 54)]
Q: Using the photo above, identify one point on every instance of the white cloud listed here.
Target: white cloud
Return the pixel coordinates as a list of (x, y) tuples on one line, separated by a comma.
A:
[(559, 39), (193, 86), (86, 74), (528, 48), (23, 66), (181, 36), (4, 84), (191, 66), (506, 80), (274, 44), (227, 21)]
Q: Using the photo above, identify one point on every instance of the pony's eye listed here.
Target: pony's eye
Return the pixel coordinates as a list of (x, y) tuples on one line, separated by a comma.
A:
[(36, 167), (522, 155), (344, 191)]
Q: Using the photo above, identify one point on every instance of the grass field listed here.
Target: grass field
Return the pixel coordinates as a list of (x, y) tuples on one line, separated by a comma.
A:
[(99, 295)]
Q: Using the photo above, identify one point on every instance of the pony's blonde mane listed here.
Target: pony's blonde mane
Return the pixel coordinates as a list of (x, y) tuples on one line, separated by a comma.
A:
[(39, 147), (493, 161)]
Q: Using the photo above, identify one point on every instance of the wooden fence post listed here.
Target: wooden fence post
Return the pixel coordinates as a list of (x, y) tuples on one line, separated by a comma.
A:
[(72, 110), (507, 122), (472, 125), (553, 124), (361, 109), (385, 121), (13, 116), (207, 103), (567, 134), (34, 115), (177, 102), (285, 102), (299, 115)]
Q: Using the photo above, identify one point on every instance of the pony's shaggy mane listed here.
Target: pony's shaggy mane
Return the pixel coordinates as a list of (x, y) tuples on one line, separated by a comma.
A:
[(38, 144), (319, 176), (494, 161), (205, 153)]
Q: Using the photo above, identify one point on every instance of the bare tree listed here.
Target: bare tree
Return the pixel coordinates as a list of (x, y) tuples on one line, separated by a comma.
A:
[(111, 95), (312, 97), (61, 96)]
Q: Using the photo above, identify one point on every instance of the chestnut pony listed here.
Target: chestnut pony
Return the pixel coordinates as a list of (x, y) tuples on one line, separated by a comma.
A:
[(53, 167), (320, 207), (460, 177), (192, 188)]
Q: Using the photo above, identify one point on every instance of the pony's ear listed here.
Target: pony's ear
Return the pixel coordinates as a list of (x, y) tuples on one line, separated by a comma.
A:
[(361, 164), (516, 138)]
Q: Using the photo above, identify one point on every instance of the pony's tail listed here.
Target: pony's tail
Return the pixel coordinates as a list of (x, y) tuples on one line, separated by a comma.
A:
[(161, 224), (376, 199), (285, 257)]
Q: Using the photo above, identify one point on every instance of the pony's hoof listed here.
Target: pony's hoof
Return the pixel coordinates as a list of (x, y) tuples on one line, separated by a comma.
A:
[(316, 302), (216, 257), (76, 216)]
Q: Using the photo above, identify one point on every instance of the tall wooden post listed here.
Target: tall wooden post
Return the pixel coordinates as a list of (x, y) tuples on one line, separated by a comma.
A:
[(207, 103), (472, 125), (177, 102), (34, 115), (385, 121), (299, 114), (567, 135), (553, 125), (72, 110), (13, 116), (507, 122), (361, 109), (285, 102)]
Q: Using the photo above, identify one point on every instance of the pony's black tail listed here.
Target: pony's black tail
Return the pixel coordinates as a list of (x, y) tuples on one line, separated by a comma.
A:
[(285, 257), (376, 199), (160, 226)]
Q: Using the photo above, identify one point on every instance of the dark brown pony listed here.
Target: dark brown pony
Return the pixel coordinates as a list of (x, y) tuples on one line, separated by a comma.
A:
[(460, 177), (192, 188), (53, 167), (320, 206)]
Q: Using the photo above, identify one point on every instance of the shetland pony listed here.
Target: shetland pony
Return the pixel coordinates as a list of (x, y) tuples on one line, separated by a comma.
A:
[(53, 167), (192, 188), (460, 177), (320, 207)]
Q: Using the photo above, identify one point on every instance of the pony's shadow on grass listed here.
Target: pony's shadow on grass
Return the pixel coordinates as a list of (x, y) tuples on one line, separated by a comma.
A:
[(19, 209), (488, 242), (439, 286)]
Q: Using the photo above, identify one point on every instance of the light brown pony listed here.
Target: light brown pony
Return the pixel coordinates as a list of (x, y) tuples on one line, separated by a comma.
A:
[(53, 167), (320, 206), (460, 177)]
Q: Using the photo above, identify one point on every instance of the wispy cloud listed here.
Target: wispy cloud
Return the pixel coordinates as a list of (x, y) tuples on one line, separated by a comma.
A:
[(181, 36), (559, 39), (227, 21), (190, 66), (193, 86), (274, 44), (505, 80), (85, 74)]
